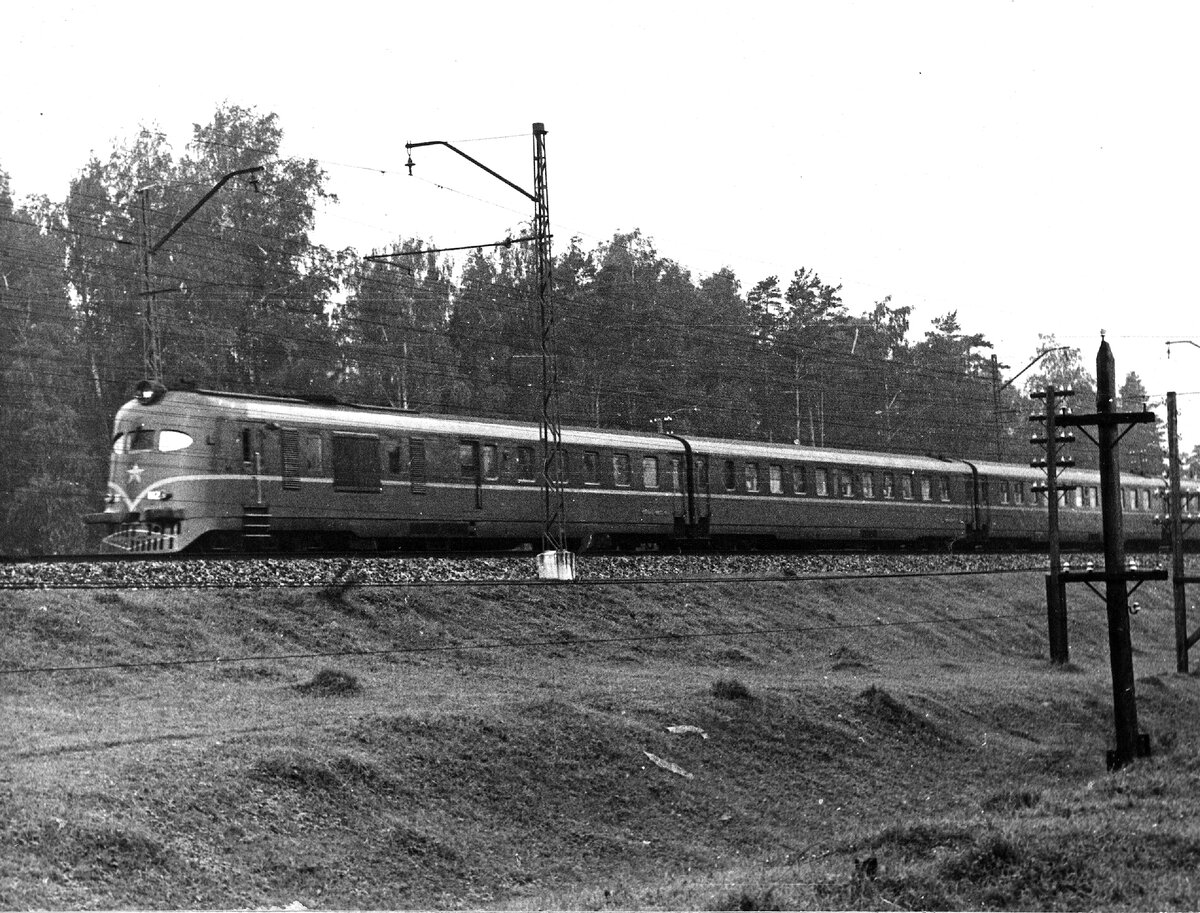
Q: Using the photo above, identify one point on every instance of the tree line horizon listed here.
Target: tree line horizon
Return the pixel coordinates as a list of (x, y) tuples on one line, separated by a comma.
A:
[(247, 302)]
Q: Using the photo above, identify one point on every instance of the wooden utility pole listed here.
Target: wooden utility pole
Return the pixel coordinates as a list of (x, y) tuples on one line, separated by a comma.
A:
[(1116, 575), (1056, 596), (1179, 578)]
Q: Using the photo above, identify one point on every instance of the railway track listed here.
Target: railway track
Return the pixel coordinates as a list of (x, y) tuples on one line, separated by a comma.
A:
[(345, 572)]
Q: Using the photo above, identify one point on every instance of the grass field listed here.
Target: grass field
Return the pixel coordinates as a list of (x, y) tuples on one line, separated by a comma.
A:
[(881, 744)]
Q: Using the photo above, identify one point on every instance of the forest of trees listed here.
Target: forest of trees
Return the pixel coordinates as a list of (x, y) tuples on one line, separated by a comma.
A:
[(244, 300)]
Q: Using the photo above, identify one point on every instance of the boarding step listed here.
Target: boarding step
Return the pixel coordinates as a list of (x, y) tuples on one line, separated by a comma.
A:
[(256, 521)]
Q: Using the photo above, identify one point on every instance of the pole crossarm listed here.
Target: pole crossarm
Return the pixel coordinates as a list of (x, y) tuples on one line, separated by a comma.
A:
[(410, 164), (204, 199)]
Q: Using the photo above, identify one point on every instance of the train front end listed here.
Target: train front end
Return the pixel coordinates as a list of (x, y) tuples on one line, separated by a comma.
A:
[(156, 493)]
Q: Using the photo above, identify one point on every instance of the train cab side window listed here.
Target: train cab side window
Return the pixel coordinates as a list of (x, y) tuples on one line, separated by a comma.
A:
[(650, 472), (889, 485), (468, 460), (943, 488), (622, 470), (169, 441), (676, 480), (799, 485), (701, 474), (394, 462), (525, 470), (867, 483), (139, 439), (313, 456), (751, 470), (491, 464), (247, 446), (591, 467), (906, 487), (730, 475), (821, 481), (775, 478)]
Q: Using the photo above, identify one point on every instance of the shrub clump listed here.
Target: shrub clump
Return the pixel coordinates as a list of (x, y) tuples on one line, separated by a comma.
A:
[(730, 689), (330, 683)]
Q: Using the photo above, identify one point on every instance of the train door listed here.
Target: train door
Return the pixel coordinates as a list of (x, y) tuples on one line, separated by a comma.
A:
[(471, 472)]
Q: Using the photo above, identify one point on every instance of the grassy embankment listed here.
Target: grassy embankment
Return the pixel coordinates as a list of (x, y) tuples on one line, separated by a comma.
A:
[(876, 744)]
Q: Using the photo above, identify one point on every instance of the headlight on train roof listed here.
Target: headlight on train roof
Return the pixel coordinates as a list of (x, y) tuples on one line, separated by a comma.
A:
[(150, 392)]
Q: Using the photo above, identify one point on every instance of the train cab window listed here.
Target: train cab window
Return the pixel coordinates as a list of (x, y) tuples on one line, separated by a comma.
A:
[(491, 463), (889, 485), (775, 478), (675, 480), (591, 467), (751, 477), (139, 439), (312, 455), (730, 475), (525, 470), (906, 486), (943, 488), (845, 483), (247, 446), (622, 470), (821, 481), (650, 472), (799, 485), (867, 483), (169, 441), (393, 457), (701, 469)]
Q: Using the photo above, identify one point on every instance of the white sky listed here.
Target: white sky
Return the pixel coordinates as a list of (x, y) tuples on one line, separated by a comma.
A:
[(1033, 165)]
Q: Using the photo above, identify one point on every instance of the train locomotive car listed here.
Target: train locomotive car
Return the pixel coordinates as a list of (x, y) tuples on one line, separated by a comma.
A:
[(203, 470)]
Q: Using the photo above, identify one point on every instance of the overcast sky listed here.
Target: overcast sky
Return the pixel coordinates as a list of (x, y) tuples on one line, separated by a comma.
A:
[(1032, 165)]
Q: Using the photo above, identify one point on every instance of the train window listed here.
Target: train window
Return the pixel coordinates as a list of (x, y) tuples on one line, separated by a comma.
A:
[(247, 446), (416, 465), (675, 486), (845, 483), (821, 481), (313, 457), (926, 489), (468, 459), (1092, 496), (889, 485), (701, 463), (393, 459), (650, 472), (799, 486), (622, 470), (356, 462), (1005, 495), (591, 467), (751, 476), (867, 483), (776, 479), (1077, 496), (906, 486), (170, 441), (491, 465), (943, 488), (730, 476), (525, 470)]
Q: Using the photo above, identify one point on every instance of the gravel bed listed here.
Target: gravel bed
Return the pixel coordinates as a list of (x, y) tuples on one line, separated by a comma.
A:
[(400, 571)]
